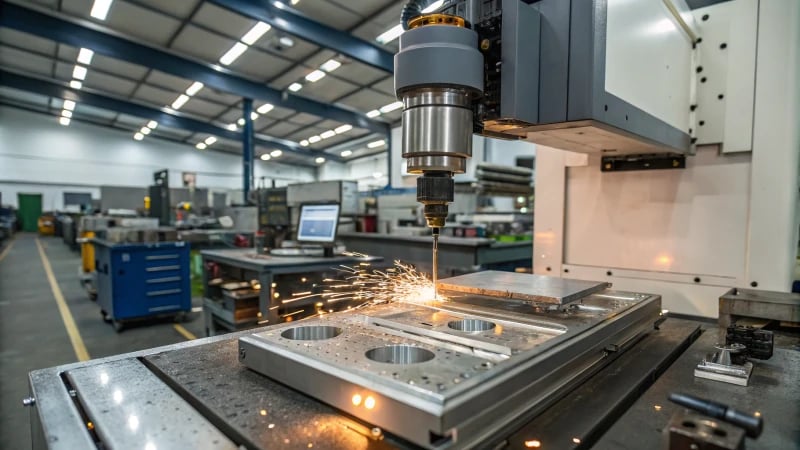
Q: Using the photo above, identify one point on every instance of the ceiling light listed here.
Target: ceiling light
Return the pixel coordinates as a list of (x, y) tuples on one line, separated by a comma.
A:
[(433, 6), (330, 65), (374, 113), (66, 113), (232, 127), (100, 9), (85, 56), (145, 131), (286, 41), (327, 134), (210, 140), (265, 108), (256, 32), (138, 136), (275, 153), (343, 129), (376, 144), (265, 157), (294, 87), (64, 121), (240, 122), (315, 76), (294, 2), (279, 5), (75, 84), (231, 55), (390, 34), (253, 115), (69, 105), (391, 107), (200, 146), (304, 143), (319, 160), (314, 139), (180, 101), (377, 175), (346, 153), (152, 124), (194, 88), (79, 72)]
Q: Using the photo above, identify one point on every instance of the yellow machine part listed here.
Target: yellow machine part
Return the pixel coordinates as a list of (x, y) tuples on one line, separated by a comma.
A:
[(87, 253), (46, 225)]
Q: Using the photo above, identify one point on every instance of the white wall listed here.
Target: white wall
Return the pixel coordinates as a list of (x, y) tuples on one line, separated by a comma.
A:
[(39, 155)]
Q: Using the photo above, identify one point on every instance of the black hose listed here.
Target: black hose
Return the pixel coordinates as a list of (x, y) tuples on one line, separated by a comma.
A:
[(412, 8)]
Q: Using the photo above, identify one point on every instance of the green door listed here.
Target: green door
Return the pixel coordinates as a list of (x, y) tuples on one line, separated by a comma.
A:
[(30, 208)]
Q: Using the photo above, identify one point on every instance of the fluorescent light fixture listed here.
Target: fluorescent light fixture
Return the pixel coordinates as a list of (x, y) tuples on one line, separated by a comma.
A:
[(275, 153), (69, 105), (376, 144), (145, 131), (343, 129), (256, 32), (210, 140), (391, 107), (231, 55), (240, 121), (327, 134), (100, 9), (75, 84), (390, 34), (79, 72), (152, 124), (330, 65), (304, 143), (314, 139), (294, 87), (200, 146), (85, 56), (265, 157), (180, 101), (319, 160), (294, 2), (279, 5), (67, 114), (433, 6), (265, 108), (374, 113), (231, 127), (138, 136), (377, 175), (346, 153), (286, 41), (315, 76), (194, 88), (64, 121), (253, 115)]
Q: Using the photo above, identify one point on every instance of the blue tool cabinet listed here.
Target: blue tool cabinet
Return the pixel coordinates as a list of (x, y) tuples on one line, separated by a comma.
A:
[(142, 280)]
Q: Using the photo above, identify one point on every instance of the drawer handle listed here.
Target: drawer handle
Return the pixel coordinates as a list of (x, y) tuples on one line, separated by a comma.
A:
[(163, 292), (162, 268)]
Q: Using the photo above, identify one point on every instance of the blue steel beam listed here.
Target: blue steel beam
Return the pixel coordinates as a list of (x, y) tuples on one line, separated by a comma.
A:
[(84, 96), (290, 21), (84, 34), (247, 148)]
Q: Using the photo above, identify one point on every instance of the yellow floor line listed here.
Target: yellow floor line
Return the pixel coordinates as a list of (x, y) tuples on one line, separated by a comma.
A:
[(184, 332), (5, 252), (66, 316)]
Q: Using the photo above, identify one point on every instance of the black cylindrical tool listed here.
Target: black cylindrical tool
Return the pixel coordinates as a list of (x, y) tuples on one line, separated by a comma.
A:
[(752, 424)]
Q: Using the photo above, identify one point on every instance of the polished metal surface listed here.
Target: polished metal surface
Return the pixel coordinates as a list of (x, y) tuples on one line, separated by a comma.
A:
[(437, 130), (520, 286), (437, 96), (437, 163)]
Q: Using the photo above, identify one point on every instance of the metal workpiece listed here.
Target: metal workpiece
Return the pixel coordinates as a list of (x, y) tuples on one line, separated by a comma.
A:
[(442, 374)]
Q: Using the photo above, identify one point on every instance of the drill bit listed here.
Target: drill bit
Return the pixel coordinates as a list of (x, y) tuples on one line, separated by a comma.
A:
[(435, 232)]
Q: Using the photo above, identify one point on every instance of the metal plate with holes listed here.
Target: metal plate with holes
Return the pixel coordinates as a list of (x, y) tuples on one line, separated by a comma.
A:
[(521, 286), (434, 374)]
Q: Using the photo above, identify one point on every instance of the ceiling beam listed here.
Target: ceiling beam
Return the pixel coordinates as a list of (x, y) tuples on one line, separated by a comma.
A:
[(293, 22), (164, 118), (104, 41)]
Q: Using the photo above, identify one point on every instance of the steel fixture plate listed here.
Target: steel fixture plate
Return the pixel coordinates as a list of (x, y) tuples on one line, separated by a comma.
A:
[(522, 286)]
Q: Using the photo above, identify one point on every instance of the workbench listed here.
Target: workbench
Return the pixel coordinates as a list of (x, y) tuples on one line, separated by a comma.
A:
[(456, 255), (263, 268), (197, 395)]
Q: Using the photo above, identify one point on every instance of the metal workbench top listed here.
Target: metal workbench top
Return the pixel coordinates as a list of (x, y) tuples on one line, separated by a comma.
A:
[(249, 258)]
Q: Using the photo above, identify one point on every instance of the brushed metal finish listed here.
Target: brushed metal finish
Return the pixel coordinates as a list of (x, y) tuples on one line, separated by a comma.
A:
[(440, 163), (437, 96)]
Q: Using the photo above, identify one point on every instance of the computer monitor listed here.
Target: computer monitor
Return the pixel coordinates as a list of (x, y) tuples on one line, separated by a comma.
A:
[(318, 223)]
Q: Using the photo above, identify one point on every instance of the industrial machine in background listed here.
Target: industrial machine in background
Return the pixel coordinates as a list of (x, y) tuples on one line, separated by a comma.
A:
[(158, 203), (274, 216)]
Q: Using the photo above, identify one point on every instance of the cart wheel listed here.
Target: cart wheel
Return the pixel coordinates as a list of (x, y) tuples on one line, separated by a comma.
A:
[(179, 317), (106, 318), (118, 326)]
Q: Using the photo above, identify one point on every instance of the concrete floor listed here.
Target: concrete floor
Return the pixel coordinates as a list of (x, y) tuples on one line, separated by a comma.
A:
[(33, 335)]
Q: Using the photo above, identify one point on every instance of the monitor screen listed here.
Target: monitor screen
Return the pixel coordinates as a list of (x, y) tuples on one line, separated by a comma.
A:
[(318, 223)]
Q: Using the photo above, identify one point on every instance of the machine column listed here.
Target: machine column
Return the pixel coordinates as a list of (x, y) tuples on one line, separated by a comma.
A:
[(247, 148)]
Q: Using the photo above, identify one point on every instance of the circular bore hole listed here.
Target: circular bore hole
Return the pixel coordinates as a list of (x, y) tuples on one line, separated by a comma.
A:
[(311, 333), (471, 325), (720, 433), (399, 354), (689, 424)]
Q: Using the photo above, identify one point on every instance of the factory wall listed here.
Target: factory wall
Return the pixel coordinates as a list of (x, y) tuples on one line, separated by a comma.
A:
[(37, 155)]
